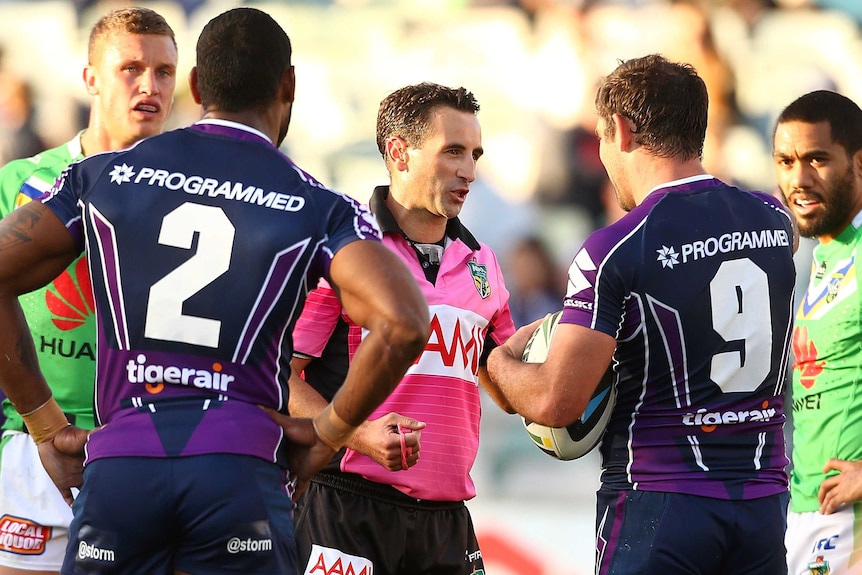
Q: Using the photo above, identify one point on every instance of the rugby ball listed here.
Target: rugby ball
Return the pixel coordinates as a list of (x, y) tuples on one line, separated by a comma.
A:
[(579, 438)]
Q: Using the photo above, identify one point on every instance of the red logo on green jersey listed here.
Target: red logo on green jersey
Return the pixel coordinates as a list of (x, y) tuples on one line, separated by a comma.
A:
[(806, 356), (72, 303)]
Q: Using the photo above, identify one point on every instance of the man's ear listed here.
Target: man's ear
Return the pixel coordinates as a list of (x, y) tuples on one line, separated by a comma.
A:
[(193, 85), (625, 130), (288, 85), (397, 154), (89, 76), (857, 165)]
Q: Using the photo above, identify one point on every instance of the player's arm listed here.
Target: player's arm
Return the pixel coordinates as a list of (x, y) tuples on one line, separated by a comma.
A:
[(554, 393), (379, 439), (493, 390), (378, 292), (304, 400), (35, 247)]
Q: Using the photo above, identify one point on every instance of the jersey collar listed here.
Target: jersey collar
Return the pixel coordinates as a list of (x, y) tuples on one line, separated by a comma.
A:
[(74, 147), (234, 125), (682, 182)]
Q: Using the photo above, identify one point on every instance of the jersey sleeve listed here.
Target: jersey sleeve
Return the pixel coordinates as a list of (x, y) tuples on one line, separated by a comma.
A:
[(594, 297), (502, 326), (351, 221), (346, 221), (317, 322), (62, 199)]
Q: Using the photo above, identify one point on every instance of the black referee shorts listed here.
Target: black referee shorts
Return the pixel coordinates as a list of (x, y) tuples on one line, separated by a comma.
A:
[(366, 525)]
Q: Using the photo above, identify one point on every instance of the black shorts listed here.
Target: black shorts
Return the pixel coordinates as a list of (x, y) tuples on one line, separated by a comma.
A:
[(368, 525), (206, 515), (651, 533)]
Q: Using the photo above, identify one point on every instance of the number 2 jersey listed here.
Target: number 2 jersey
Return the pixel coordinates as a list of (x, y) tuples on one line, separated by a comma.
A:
[(201, 242), (696, 285)]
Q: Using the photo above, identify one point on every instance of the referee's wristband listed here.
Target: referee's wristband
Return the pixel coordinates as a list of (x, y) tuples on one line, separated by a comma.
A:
[(331, 429), (44, 422)]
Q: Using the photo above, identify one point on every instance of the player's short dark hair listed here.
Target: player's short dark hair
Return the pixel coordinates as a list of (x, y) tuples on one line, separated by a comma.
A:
[(133, 20), (406, 112), (666, 101), (842, 114), (241, 56)]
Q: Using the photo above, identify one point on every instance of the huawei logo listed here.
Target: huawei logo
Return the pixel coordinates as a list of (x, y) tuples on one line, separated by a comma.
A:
[(806, 358), (71, 300)]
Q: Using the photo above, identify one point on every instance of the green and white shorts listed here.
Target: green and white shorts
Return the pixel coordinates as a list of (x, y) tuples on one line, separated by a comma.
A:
[(34, 518), (824, 544)]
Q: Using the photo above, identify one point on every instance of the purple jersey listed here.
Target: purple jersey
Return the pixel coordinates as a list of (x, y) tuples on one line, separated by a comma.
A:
[(696, 285), (198, 279)]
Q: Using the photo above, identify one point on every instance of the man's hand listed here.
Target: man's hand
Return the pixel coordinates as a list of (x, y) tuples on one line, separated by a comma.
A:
[(63, 459), (306, 453), (840, 489), (381, 440), (515, 345)]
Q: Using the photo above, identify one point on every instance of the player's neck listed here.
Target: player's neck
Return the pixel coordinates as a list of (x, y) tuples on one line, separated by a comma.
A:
[(264, 120), (658, 171), (91, 143), (95, 141)]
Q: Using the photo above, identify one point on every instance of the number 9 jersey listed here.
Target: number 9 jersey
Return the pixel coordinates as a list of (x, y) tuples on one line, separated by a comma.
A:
[(198, 279), (696, 285)]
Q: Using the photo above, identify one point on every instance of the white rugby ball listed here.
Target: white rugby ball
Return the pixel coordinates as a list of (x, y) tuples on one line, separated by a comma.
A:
[(579, 438)]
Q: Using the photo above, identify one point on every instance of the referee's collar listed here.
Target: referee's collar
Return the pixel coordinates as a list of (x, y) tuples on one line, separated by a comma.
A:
[(455, 230)]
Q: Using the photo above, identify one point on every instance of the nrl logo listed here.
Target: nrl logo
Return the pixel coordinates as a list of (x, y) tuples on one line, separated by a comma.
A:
[(480, 278)]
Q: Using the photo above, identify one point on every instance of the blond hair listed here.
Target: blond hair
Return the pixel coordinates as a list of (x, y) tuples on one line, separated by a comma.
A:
[(133, 20)]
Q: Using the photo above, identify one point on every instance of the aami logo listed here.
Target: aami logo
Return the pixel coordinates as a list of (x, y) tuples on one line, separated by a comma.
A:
[(329, 561), (459, 345), (806, 362), (22, 536)]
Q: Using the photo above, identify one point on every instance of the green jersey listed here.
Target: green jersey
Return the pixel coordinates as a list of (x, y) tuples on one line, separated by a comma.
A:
[(827, 374), (60, 315)]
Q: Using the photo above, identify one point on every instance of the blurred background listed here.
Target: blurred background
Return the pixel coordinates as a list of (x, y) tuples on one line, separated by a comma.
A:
[(533, 65)]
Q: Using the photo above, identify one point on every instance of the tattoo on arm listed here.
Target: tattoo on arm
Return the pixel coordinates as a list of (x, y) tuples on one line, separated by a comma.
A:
[(20, 229), (26, 352)]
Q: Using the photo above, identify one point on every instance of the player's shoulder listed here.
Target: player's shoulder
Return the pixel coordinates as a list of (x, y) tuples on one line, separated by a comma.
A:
[(856, 222), (25, 179), (768, 200), (610, 238)]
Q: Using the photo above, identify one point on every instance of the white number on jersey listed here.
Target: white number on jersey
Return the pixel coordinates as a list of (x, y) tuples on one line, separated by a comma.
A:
[(741, 311), (165, 317)]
